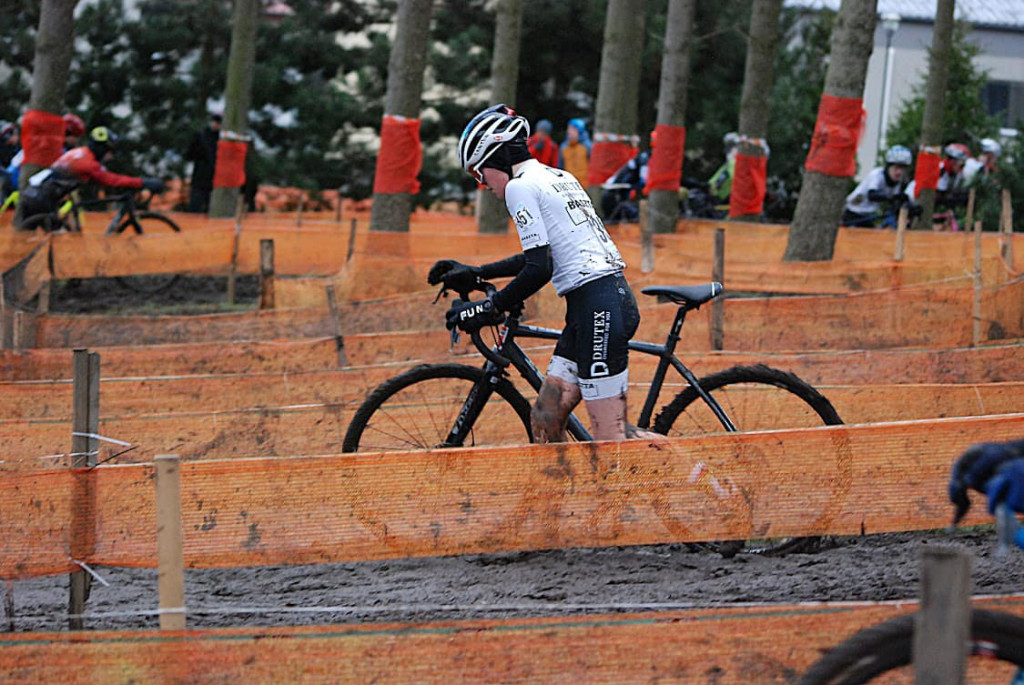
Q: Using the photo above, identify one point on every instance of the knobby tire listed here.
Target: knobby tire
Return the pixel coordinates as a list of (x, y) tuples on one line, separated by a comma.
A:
[(889, 645)]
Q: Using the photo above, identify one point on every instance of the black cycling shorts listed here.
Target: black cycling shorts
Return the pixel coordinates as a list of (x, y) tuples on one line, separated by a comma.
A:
[(600, 318)]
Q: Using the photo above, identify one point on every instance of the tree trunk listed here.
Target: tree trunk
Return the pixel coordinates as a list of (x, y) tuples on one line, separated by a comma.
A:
[(758, 78), (55, 43), (675, 78), (238, 92), (935, 96), (619, 84), (812, 235), (493, 216), (390, 211)]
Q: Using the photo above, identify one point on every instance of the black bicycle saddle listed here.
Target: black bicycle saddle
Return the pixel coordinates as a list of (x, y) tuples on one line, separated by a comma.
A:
[(690, 296)]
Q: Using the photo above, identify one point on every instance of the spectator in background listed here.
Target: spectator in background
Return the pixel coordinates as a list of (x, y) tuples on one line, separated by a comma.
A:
[(622, 192), (979, 170), (10, 145), (203, 154), (574, 154), (74, 129), (542, 147), (720, 183)]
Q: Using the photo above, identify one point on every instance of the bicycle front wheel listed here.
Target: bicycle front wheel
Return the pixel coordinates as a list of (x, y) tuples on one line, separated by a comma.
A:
[(152, 223), (885, 652), (419, 408), (754, 398)]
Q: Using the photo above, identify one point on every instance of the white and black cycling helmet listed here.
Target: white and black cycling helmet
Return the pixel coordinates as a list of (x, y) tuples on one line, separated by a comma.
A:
[(991, 146), (486, 133), (957, 151), (899, 154)]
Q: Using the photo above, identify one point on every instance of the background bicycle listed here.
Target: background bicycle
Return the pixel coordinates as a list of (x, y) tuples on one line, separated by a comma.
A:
[(131, 213)]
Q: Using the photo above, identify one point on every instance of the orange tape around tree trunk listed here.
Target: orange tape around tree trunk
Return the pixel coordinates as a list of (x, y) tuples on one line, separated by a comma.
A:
[(836, 134), (401, 156), (748, 185), (229, 171), (607, 157), (42, 137), (927, 171), (666, 166)]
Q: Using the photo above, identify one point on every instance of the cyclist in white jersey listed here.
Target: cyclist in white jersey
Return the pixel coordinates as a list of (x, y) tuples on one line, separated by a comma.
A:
[(565, 242)]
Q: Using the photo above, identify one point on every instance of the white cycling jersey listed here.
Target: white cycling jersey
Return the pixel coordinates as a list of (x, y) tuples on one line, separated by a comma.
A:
[(859, 202), (550, 207)]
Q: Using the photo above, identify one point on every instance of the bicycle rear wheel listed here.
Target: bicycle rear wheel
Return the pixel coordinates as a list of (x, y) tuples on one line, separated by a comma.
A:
[(755, 398), (884, 652), (152, 223), (417, 410)]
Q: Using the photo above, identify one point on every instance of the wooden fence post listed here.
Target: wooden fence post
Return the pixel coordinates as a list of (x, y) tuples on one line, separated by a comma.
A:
[(943, 625), (901, 233), (351, 241), (85, 421), (43, 303), (1006, 223), (169, 542), (298, 212), (233, 269), (337, 215), (266, 273), (24, 336), (646, 239), (6, 319), (718, 304), (976, 329), (339, 339), (969, 217)]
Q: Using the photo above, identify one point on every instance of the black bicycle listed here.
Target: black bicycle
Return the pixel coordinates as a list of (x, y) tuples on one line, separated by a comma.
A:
[(132, 213), (452, 405)]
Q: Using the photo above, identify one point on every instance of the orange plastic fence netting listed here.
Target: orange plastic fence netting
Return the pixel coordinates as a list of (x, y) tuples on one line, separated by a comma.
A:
[(836, 134), (400, 156), (42, 137), (666, 165), (917, 316), (927, 171), (607, 155), (839, 480), (716, 646), (230, 169), (748, 185)]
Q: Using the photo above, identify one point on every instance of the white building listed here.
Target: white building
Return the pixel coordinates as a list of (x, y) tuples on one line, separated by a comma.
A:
[(899, 61)]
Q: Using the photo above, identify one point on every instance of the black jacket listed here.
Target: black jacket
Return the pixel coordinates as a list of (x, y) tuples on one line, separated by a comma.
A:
[(203, 151)]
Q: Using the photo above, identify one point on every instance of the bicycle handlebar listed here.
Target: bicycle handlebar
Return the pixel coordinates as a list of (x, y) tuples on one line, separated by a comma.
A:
[(488, 353)]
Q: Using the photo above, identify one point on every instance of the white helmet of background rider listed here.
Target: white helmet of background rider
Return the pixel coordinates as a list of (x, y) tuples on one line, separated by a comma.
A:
[(991, 146), (898, 154), (486, 133), (731, 140)]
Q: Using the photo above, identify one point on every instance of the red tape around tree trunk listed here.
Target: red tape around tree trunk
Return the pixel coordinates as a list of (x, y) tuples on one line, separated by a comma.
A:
[(229, 171), (606, 158), (926, 174), (400, 157), (748, 185), (666, 166), (42, 137), (836, 134)]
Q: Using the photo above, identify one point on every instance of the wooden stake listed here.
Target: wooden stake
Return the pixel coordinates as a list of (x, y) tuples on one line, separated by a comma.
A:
[(24, 336), (646, 239), (298, 213), (901, 232), (351, 242), (969, 218), (266, 273), (233, 269), (942, 626), (43, 304), (976, 335), (169, 542), (6, 320), (339, 340), (337, 215), (1006, 222), (717, 304), (84, 424)]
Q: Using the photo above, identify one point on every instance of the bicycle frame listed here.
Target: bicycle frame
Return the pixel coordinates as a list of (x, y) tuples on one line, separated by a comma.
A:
[(508, 350)]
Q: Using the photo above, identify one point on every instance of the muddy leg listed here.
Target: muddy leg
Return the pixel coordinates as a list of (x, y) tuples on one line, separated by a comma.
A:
[(555, 401)]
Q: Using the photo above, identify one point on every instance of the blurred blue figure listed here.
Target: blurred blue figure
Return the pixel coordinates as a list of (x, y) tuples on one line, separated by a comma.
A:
[(993, 468)]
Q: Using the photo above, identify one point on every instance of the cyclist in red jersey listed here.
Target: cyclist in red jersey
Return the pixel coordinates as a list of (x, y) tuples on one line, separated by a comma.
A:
[(83, 164)]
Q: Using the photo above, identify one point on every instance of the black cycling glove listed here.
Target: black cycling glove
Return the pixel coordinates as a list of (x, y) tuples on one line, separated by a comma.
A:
[(153, 185), (472, 316)]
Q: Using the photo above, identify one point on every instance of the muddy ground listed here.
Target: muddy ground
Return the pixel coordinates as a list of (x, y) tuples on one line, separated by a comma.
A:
[(548, 583), (557, 582)]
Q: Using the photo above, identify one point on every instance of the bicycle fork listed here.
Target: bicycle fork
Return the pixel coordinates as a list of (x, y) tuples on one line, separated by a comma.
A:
[(474, 404)]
